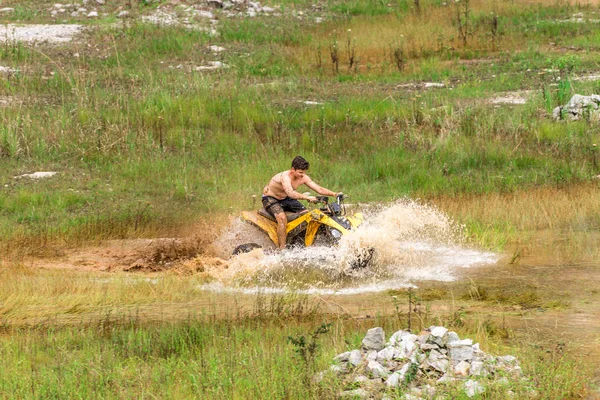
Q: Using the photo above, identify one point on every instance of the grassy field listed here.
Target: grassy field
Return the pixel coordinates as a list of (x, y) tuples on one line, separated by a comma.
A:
[(143, 143), (147, 145), (244, 355)]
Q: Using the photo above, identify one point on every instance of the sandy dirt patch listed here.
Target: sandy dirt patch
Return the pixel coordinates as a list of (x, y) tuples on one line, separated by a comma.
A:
[(39, 33), (136, 255)]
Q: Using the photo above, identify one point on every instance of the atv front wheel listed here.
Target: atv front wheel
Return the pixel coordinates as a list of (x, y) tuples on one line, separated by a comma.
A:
[(245, 248), (363, 259)]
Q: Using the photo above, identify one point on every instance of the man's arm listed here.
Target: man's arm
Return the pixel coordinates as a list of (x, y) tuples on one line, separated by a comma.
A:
[(321, 190), (286, 182)]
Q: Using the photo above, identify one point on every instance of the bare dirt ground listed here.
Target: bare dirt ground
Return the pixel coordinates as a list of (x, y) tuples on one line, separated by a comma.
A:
[(181, 256)]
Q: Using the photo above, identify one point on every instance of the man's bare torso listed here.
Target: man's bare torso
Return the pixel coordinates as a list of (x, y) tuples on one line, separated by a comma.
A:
[(275, 186)]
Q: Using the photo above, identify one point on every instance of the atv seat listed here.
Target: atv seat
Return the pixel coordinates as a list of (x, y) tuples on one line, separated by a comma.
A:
[(290, 215)]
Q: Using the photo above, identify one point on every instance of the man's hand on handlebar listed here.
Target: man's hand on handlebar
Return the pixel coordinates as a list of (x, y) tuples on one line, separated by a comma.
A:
[(312, 199)]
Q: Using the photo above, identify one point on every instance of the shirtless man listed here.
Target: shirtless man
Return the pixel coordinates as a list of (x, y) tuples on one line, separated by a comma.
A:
[(280, 195)]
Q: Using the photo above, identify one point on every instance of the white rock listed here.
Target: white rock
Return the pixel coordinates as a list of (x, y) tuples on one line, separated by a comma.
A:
[(446, 378), (386, 354), (438, 361), (342, 357), (397, 377), (7, 70), (268, 10), (464, 342), (428, 85), (394, 380), (101, 2), (477, 368), (460, 353), (123, 14), (82, 10), (338, 368), (74, 14), (216, 49), (473, 387), (377, 370), (37, 175), (397, 336), (6, 10), (355, 357), (318, 20), (439, 335), (212, 65), (371, 355), (453, 337), (374, 340), (93, 14), (205, 14), (462, 369)]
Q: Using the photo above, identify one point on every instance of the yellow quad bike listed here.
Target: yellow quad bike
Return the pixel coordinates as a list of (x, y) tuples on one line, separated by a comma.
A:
[(324, 225)]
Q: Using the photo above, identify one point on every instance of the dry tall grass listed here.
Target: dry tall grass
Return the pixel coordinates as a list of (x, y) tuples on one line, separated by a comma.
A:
[(575, 208)]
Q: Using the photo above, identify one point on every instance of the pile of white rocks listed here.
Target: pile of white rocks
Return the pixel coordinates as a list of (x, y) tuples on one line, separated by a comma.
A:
[(242, 8), (87, 8), (420, 364), (587, 107)]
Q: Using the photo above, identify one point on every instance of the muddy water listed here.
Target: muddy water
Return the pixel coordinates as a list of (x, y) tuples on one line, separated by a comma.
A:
[(412, 242), (562, 273)]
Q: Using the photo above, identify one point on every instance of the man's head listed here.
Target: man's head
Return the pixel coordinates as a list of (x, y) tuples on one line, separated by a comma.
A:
[(300, 163)]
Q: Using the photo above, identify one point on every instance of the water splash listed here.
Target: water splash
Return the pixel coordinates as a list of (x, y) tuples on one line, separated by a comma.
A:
[(412, 242)]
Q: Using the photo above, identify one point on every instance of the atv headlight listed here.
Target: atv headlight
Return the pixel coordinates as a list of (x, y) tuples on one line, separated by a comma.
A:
[(336, 234)]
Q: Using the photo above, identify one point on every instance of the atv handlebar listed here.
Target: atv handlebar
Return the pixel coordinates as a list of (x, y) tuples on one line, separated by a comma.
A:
[(325, 199)]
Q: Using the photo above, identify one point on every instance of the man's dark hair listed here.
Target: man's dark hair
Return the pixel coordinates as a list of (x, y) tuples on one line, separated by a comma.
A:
[(300, 163)]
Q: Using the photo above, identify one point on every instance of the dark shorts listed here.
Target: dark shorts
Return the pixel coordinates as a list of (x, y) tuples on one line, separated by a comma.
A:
[(275, 206)]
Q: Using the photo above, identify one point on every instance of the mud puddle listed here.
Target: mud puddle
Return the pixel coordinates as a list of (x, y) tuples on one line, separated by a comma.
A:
[(411, 242)]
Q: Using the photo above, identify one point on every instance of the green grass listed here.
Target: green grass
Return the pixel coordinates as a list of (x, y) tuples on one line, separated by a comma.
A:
[(246, 357), (130, 125)]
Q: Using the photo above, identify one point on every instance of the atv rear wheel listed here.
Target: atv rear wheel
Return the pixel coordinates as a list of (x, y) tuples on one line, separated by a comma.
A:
[(245, 248)]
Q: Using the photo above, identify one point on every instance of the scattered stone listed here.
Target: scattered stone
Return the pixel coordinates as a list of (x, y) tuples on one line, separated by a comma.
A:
[(216, 49), (37, 175), (578, 107), (101, 2), (428, 85), (38, 33), (205, 14), (473, 388), (6, 10), (93, 14), (123, 14), (312, 103), (212, 65), (374, 340), (7, 70)]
